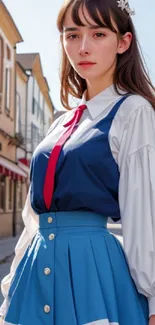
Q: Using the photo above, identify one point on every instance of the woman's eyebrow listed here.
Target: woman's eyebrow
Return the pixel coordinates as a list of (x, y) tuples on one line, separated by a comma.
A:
[(70, 29), (73, 29)]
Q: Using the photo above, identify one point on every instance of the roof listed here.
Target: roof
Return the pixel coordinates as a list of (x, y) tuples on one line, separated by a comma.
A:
[(32, 62), (6, 15), (26, 60)]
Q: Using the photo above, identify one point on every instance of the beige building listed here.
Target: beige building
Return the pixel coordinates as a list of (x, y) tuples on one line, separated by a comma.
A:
[(13, 180)]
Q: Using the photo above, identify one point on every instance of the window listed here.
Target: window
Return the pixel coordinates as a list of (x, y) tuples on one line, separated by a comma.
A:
[(39, 108), (42, 117), (19, 195), (7, 90), (8, 53), (35, 136), (2, 192), (1, 63), (18, 114), (10, 193), (8, 79), (38, 112), (34, 106)]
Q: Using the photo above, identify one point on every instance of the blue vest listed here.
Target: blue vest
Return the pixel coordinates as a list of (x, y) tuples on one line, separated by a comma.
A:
[(87, 175)]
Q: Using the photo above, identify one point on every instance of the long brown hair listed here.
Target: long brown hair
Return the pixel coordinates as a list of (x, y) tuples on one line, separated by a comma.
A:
[(130, 73)]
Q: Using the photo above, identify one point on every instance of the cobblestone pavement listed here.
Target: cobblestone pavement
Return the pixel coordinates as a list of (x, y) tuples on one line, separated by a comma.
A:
[(4, 270)]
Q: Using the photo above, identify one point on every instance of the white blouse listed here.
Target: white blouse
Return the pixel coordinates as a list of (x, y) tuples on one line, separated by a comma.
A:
[(132, 143)]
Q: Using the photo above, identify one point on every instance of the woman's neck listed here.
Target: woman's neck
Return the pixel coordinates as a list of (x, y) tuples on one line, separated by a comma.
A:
[(94, 88)]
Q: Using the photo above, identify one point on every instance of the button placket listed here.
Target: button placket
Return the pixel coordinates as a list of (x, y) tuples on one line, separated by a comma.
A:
[(49, 267)]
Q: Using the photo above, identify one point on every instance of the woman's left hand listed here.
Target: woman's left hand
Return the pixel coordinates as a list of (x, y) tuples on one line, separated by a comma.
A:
[(152, 320)]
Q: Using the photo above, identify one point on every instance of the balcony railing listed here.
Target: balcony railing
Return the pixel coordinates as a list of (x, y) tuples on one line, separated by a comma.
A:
[(19, 137)]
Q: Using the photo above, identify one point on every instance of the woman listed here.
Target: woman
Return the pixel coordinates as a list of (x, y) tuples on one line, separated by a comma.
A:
[(68, 269)]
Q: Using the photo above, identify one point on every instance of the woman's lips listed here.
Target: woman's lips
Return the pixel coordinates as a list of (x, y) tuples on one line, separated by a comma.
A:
[(86, 64)]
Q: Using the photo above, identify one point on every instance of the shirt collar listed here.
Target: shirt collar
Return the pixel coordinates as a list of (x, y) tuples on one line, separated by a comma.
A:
[(101, 101)]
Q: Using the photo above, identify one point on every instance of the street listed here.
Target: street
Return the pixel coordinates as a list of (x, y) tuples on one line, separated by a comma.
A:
[(4, 270)]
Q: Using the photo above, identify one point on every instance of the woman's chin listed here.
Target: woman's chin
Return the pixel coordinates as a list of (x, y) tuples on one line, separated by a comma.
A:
[(88, 75)]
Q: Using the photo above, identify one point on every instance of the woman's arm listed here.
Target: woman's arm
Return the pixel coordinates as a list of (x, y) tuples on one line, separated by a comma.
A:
[(136, 162)]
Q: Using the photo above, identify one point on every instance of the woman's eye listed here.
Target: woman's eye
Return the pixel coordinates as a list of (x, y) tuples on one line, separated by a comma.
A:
[(73, 36), (99, 35)]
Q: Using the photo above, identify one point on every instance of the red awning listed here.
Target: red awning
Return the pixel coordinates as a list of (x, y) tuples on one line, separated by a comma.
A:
[(9, 168), (25, 161)]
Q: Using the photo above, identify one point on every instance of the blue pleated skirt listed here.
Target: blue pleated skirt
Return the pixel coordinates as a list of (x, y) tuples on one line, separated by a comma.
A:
[(74, 273)]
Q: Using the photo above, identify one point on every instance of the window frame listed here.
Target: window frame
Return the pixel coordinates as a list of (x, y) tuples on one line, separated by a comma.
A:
[(19, 195), (4, 193), (11, 182)]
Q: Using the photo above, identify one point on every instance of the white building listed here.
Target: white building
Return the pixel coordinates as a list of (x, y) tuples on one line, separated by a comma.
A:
[(34, 113)]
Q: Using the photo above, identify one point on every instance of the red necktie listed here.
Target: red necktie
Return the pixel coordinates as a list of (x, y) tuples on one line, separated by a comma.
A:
[(50, 172)]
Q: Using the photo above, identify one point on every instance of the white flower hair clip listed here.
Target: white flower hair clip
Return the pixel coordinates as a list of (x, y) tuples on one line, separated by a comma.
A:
[(124, 5)]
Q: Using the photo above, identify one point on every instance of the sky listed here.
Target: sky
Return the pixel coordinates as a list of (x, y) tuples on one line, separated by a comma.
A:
[(36, 22)]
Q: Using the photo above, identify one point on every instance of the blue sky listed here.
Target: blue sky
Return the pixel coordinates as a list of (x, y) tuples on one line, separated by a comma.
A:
[(36, 21)]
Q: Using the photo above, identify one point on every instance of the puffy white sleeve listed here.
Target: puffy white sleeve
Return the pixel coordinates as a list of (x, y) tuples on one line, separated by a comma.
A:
[(136, 160), (31, 224)]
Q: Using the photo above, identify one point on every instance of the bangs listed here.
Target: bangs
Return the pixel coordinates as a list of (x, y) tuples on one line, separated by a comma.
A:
[(97, 10)]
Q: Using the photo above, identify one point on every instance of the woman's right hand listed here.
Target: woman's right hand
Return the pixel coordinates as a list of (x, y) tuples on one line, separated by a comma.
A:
[(1, 320), (151, 320)]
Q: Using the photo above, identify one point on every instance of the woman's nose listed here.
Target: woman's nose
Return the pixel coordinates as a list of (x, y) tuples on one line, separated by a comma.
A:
[(84, 48)]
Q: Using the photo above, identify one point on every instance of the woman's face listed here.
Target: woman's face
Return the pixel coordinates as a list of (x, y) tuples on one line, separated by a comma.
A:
[(92, 50)]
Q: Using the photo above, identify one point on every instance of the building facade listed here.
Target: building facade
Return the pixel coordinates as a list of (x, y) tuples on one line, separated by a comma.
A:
[(12, 178), (26, 113)]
